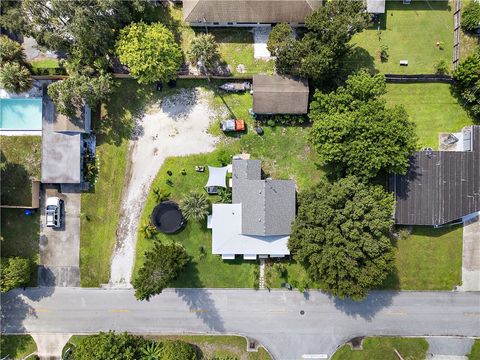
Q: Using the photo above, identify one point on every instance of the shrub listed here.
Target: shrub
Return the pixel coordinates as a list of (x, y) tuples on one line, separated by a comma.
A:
[(225, 195), (160, 194), (384, 55), (204, 49), (14, 272), (279, 37), (283, 119), (177, 350), (148, 230), (441, 67)]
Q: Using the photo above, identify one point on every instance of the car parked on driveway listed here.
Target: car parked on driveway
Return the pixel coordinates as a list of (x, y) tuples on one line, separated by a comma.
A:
[(53, 213)]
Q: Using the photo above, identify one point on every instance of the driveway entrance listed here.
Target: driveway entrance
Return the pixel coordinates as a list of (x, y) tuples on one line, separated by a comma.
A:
[(60, 247)]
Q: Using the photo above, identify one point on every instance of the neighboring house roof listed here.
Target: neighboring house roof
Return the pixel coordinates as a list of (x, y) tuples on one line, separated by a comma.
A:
[(376, 6), (248, 11), (61, 157), (440, 186), (269, 204), (227, 237), (276, 94)]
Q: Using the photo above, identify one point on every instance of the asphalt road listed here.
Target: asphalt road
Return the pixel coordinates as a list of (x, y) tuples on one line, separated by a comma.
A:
[(273, 318)]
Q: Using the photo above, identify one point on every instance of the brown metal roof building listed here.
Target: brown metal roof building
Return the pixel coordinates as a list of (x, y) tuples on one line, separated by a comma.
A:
[(247, 12), (440, 186), (275, 94)]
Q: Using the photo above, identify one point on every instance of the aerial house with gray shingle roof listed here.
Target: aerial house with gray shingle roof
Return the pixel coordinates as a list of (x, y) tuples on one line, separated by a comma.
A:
[(247, 12), (440, 186), (277, 94), (259, 220)]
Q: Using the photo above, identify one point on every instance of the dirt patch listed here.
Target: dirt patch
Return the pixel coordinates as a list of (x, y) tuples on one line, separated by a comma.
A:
[(175, 126)]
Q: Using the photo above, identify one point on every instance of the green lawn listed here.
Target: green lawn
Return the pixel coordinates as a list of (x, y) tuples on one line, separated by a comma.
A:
[(22, 156), (411, 33), (210, 346), (16, 346), (432, 107), (428, 259), (475, 351), (384, 349)]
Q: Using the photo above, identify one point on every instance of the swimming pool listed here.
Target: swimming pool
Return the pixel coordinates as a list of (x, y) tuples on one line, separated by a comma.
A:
[(21, 114)]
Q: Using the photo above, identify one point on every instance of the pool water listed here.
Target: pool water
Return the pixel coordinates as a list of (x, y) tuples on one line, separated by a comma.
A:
[(21, 114)]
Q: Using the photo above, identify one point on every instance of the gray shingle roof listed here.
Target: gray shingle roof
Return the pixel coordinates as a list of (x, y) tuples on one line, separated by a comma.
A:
[(248, 11), (440, 186), (268, 206), (276, 94)]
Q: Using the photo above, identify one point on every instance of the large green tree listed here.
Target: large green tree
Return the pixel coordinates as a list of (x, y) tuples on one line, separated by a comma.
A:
[(279, 38), (109, 346), (14, 272), (471, 16), (328, 32), (355, 133), (71, 94), (162, 265), (85, 29), (341, 236), (15, 77), (467, 76), (150, 52)]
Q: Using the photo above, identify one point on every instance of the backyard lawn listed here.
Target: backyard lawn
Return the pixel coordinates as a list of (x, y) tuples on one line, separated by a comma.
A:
[(22, 156), (16, 346), (411, 32), (235, 44), (432, 107), (383, 348)]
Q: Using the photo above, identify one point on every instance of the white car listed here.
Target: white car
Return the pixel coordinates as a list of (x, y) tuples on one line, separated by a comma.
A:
[(53, 212)]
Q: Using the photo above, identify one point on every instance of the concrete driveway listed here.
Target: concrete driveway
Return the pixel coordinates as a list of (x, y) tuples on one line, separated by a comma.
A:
[(60, 248), (471, 256)]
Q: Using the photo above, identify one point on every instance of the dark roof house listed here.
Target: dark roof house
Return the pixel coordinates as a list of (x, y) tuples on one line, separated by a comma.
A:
[(276, 94), (440, 186), (259, 220), (247, 12)]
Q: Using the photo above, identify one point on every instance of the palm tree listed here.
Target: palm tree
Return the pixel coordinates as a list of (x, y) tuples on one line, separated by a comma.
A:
[(15, 77), (195, 206), (204, 49), (152, 350)]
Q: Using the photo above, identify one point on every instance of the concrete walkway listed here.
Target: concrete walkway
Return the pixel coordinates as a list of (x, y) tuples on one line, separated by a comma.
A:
[(50, 346), (449, 348), (471, 256)]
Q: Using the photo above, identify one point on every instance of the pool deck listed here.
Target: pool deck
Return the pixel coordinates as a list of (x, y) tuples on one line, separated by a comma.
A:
[(20, 132)]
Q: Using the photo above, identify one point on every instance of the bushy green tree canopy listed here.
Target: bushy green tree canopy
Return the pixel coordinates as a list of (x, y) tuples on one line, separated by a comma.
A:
[(150, 52), (279, 37), (205, 49), (341, 236), (355, 133), (85, 29), (15, 77), (10, 51), (467, 76), (109, 346), (162, 265), (471, 16), (71, 94), (14, 272), (329, 29)]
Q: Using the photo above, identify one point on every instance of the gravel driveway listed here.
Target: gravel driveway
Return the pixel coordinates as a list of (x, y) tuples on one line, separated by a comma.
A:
[(176, 126)]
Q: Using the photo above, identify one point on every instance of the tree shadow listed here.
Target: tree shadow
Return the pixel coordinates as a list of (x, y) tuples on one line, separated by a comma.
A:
[(456, 93), (357, 58), (16, 184), (15, 309), (200, 302), (367, 308)]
